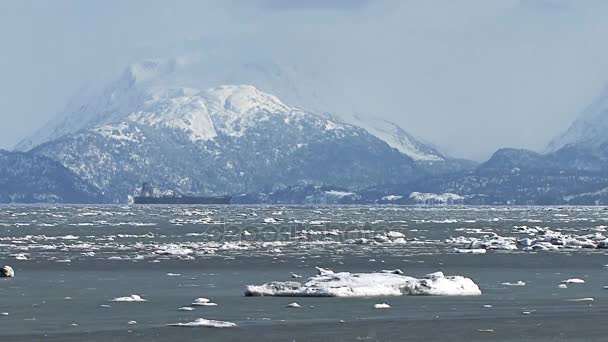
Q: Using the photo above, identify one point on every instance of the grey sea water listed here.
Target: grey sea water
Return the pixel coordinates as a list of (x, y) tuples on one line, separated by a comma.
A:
[(71, 261)]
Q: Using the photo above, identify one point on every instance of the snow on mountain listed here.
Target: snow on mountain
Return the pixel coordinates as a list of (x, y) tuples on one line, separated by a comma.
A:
[(231, 138), (398, 138), (166, 93), (589, 130)]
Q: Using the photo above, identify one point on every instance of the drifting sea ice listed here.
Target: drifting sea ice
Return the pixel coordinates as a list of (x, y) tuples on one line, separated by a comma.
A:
[(131, 298), (518, 283), (346, 284), (573, 281), (203, 302), (202, 322), (382, 306)]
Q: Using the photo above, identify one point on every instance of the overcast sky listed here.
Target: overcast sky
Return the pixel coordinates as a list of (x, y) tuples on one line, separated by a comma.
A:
[(470, 76)]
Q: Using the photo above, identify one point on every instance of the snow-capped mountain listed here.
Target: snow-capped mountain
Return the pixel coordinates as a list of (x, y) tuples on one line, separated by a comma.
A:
[(231, 138), (589, 130), (398, 138), (147, 90)]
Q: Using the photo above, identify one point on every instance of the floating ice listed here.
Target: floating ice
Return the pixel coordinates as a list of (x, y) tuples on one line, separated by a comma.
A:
[(203, 302), (395, 271), (7, 272), (185, 308), (293, 305), (518, 283), (201, 322), (131, 298), (472, 251), (589, 299), (573, 281), (345, 284), (132, 322), (382, 306), (562, 286)]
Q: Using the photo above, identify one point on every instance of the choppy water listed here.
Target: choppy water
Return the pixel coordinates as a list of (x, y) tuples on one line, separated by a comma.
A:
[(70, 262)]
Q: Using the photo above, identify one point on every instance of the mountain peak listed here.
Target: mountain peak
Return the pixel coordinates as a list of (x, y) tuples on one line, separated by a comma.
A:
[(589, 129), (241, 99)]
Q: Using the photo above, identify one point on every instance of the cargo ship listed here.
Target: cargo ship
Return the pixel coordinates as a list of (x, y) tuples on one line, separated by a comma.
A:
[(147, 196)]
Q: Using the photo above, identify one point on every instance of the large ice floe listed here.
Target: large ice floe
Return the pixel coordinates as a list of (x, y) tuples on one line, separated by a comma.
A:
[(345, 284)]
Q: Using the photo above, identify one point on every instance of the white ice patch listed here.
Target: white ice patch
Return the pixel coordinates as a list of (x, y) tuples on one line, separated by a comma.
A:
[(202, 322), (345, 284), (518, 283), (203, 302), (573, 281), (131, 298), (382, 306)]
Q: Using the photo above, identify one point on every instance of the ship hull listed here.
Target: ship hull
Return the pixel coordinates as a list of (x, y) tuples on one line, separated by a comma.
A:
[(182, 200)]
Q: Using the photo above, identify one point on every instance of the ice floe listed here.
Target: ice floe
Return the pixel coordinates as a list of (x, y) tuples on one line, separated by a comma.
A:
[(573, 281), (346, 284), (203, 302), (131, 298), (293, 305), (202, 322), (382, 306), (588, 299), (7, 272), (517, 283)]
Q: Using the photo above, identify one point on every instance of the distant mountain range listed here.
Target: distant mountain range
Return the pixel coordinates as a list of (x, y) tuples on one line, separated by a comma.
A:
[(237, 139)]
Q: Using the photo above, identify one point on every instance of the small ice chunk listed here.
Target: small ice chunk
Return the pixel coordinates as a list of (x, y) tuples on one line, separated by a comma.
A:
[(517, 283), (472, 251), (395, 235), (203, 302), (487, 306), (382, 306), (131, 298), (573, 281), (395, 271), (588, 299), (295, 276), (202, 322), (185, 308), (293, 305), (132, 322), (3, 313), (562, 286), (7, 272), (173, 274)]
